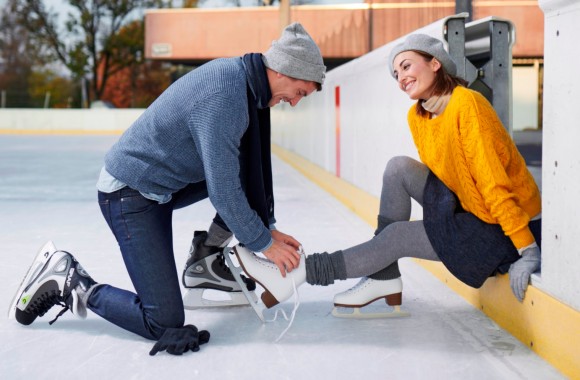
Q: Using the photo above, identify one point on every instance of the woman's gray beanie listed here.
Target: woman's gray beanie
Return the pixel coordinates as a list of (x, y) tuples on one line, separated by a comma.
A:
[(296, 55), (426, 44)]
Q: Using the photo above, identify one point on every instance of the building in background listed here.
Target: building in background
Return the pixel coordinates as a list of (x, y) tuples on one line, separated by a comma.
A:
[(193, 36)]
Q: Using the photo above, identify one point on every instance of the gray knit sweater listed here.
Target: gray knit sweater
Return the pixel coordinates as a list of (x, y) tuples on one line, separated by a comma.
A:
[(191, 133)]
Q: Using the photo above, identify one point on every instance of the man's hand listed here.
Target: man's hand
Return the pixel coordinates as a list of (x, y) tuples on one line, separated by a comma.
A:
[(282, 237), (283, 252), (521, 270)]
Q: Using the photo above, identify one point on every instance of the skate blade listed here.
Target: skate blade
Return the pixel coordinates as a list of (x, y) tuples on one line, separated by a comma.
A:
[(236, 272), (210, 298), (356, 313), (35, 268)]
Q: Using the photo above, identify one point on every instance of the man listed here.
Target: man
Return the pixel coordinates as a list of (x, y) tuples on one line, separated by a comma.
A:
[(207, 135)]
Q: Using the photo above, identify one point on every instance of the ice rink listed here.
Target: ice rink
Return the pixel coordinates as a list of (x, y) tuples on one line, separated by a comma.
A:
[(47, 192)]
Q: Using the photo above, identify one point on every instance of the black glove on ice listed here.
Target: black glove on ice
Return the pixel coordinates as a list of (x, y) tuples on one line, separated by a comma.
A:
[(178, 340)]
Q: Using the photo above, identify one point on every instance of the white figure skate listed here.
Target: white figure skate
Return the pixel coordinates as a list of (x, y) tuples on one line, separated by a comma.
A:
[(208, 280), (266, 273), (348, 304), (251, 298)]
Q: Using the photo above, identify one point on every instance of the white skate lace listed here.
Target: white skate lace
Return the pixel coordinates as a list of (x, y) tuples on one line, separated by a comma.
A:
[(361, 284), (283, 313)]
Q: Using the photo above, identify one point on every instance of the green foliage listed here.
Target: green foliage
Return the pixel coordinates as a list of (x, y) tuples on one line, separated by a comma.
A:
[(61, 90), (17, 57), (89, 45)]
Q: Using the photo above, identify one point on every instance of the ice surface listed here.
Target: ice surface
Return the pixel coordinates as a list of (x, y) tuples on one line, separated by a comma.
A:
[(47, 191)]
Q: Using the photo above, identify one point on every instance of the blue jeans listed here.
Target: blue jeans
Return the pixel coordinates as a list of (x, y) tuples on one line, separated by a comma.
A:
[(143, 229)]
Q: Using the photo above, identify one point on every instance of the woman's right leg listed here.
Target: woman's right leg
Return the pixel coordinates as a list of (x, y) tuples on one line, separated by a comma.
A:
[(404, 178)]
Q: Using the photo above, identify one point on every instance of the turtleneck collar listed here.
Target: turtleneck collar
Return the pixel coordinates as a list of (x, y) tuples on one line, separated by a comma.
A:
[(436, 104)]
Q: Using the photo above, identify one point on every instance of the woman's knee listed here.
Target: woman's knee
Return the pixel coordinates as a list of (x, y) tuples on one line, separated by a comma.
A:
[(397, 165)]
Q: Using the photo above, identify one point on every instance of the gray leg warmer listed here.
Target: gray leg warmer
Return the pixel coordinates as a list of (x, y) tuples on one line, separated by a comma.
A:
[(324, 268)]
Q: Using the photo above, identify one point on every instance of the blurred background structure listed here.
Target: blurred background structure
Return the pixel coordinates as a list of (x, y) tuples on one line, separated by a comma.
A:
[(123, 54)]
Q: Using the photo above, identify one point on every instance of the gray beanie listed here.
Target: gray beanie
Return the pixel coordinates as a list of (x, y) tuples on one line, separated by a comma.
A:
[(296, 55), (426, 44)]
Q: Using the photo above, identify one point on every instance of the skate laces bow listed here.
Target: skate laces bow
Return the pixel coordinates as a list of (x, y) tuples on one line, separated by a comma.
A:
[(283, 313)]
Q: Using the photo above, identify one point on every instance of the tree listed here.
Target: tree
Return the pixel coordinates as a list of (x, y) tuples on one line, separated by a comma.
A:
[(90, 40), (17, 56), (60, 90), (138, 84)]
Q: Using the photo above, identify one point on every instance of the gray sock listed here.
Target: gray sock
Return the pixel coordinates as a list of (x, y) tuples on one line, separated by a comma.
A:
[(324, 268), (392, 271), (217, 236), (85, 295), (389, 273)]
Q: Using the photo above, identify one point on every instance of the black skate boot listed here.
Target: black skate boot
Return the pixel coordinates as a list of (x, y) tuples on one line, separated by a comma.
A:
[(206, 269), (54, 278)]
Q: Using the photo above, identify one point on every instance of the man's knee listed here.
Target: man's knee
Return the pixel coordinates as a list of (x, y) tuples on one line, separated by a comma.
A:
[(158, 326)]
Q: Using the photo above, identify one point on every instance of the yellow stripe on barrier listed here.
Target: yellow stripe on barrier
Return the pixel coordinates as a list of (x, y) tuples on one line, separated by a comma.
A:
[(549, 327)]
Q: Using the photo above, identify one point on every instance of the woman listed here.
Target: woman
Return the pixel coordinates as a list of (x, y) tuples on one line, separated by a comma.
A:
[(481, 205)]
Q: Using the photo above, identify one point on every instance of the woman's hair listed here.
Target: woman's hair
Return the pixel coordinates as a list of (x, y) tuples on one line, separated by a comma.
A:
[(444, 83)]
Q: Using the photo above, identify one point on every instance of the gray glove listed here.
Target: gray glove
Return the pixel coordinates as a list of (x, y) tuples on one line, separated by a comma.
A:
[(521, 270)]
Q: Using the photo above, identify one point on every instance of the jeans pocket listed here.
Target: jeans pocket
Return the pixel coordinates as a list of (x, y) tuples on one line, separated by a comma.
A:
[(105, 206), (135, 204)]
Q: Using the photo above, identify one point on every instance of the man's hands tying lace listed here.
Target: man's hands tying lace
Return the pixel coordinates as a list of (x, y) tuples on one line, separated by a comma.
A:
[(283, 252)]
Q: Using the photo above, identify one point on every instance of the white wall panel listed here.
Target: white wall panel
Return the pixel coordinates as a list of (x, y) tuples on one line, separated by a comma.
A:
[(561, 162), (67, 119)]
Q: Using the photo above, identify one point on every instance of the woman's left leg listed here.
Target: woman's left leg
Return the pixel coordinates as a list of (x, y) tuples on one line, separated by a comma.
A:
[(398, 240)]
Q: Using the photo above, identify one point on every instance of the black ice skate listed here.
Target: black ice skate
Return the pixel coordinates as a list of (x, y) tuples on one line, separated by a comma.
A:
[(207, 275), (54, 278)]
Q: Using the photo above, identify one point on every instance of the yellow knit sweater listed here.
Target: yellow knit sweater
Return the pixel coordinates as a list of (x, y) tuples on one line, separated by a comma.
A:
[(470, 151)]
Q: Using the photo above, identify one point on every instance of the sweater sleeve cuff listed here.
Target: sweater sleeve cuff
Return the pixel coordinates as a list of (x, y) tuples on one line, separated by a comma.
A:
[(262, 243), (522, 238)]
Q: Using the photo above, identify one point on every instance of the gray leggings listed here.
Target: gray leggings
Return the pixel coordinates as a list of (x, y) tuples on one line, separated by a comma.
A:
[(404, 178)]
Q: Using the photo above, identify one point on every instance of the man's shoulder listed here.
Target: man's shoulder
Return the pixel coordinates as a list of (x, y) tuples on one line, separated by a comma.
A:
[(224, 67)]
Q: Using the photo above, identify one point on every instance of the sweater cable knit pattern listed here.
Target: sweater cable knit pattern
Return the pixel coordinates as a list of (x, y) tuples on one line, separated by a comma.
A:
[(470, 151), (191, 133)]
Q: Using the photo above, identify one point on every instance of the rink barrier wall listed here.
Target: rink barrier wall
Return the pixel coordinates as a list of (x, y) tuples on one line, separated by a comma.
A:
[(541, 322), (66, 121)]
